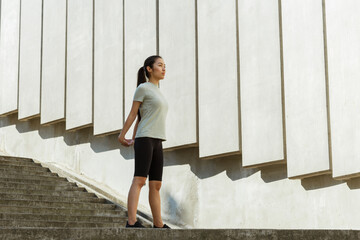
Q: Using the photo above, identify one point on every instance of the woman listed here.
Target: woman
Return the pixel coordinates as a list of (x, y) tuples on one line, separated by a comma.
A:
[(151, 108)]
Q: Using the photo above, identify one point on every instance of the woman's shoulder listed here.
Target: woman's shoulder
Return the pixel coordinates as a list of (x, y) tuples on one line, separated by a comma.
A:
[(142, 85)]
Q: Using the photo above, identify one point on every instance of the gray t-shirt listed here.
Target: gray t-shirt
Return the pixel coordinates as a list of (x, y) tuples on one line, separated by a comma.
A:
[(153, 110)]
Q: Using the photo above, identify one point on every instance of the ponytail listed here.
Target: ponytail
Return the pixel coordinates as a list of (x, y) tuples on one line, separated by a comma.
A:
[(143, 73), (141, 76)]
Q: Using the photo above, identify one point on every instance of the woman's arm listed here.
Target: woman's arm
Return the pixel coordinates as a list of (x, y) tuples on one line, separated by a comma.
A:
[(135, 128), (129, 121)]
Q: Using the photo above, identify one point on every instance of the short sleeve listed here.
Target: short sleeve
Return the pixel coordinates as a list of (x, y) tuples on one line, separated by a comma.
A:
[(139, 94)]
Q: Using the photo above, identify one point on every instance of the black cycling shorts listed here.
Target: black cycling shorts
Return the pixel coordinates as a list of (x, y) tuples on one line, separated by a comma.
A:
[(148, 158)]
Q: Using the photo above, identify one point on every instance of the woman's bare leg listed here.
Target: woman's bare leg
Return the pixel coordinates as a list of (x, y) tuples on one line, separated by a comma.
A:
[(155, 203), (133, 198)]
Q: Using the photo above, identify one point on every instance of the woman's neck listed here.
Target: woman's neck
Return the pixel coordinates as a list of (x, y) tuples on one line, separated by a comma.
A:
[(154, 81)]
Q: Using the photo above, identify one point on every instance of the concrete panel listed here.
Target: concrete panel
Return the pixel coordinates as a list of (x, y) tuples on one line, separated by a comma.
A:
[(260, 82), (343, 45), (108, 66), (218, 78), (177, 47), (30, 58), (305, 88), (79, 77), (53, 61), (9, 55), (140, 43)]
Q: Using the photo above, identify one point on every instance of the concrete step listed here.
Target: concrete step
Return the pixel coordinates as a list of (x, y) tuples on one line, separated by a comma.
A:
[(24, 173), (47, 198), (56, 217), (56, 204), (60, 224), (34, 181), (18, 168), (25, 178), (16, 159), (74, 192), (60, 211), (17, 163), (43, 186), (175, 234)]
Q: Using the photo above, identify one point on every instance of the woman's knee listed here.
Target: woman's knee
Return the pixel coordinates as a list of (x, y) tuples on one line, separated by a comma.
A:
[(155, 185), (139, 181)]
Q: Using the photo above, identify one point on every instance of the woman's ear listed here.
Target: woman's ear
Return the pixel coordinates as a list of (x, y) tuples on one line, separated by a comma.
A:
[(148, 69)]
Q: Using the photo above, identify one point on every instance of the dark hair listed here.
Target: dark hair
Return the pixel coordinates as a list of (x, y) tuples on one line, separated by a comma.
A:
[(149, 62)]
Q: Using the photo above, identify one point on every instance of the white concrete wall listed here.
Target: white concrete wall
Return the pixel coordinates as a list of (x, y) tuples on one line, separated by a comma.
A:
[(219, 131), (305, 88), (343, 38), (53, 61), (217, 192), (9, 55), (30, 58), (79, 70), (140, 43), (177, 47), (108, 66), (260, 82)]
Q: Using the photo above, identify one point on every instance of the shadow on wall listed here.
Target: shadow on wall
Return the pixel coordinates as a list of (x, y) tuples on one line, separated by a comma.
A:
[(201, 168), (210, 167), (273, 173), (354, 183), (178, 211), (71, 138), (188, 156), (8, 120), (317, 182)]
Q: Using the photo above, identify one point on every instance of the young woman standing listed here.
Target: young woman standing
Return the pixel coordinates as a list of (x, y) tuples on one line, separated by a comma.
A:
[(151, 108)]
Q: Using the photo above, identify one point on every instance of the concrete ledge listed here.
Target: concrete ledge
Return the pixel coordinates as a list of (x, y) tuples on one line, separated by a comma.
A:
[(209, 234)]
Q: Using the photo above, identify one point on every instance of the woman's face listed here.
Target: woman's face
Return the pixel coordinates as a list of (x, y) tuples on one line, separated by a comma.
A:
[(158, 70)]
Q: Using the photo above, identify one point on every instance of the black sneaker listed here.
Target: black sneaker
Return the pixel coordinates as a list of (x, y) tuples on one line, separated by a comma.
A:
[(136, 225), (165, 226)]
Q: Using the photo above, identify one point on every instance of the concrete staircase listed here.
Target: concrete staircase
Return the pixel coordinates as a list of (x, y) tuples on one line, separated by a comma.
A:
[(38, 204), (32, 197)]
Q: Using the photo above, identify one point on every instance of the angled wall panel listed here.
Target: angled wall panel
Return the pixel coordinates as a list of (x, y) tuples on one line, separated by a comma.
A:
[(53, 61), (260, 82), (140, 43), (305, 88), (177, 47), (108, 66), (79, 87), (218, 80), (30, 58), (9, 55), (343, 44)]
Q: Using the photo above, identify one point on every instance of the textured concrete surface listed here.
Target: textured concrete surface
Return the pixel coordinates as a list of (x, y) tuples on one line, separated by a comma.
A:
[(9, 55), (108, 66), (177, 47), (79, 69), (151, 234), (260, 82), (53, 61), (140, 42), (195, 189), (48, 204), (305, 88), (30, 58), (218, 78), (343, 37)]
